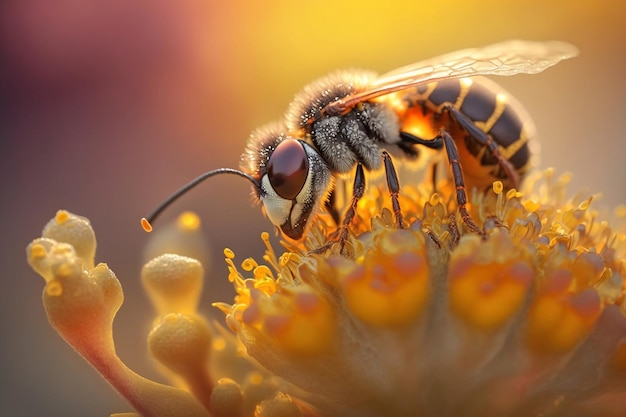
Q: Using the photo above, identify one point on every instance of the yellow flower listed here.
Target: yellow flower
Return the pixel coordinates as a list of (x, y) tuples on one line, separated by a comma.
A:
[(431, 320)]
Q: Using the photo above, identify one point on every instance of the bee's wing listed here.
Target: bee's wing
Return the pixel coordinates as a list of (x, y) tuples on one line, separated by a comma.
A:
[(505, 58)]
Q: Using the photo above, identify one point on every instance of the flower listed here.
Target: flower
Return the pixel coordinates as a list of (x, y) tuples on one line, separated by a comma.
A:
[(527, 319)]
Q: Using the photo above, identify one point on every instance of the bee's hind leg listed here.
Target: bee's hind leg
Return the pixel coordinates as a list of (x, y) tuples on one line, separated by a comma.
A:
[(444, 140), (486, 141), (457, 175)]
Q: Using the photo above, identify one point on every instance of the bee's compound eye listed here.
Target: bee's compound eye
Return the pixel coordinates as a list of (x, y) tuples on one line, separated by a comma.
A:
[(287, 168)]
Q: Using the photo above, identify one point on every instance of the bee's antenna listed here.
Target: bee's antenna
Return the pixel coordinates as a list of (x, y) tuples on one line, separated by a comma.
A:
[(146, 222)]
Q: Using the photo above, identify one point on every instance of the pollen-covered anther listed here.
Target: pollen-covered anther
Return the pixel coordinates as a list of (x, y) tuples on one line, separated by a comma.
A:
[(488, 281), (174, 283), (80, 303), (390, 287), (74, 230), (45, 254)]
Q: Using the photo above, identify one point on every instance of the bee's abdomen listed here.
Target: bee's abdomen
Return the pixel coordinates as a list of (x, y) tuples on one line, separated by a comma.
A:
[(490, 109)]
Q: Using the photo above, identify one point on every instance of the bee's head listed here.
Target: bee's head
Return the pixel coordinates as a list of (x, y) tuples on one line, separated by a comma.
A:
[(293, 179), (288, 176)]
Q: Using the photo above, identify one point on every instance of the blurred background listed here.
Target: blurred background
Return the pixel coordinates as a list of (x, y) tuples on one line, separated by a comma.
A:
[(108, 106)]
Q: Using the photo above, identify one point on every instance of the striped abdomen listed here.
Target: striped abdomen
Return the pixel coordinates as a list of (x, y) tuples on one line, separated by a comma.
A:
[(485, 105)]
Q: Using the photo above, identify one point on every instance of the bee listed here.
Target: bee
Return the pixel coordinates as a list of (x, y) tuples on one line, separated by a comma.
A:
[(349, 121)]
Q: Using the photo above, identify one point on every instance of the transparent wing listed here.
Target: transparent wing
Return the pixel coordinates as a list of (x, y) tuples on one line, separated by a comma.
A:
[(505, 58)]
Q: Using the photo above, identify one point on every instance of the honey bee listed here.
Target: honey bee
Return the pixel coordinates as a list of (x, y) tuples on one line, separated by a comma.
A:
[(353, 118)]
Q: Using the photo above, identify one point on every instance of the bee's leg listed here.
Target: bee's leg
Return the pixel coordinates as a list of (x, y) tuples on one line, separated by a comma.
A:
[(394, 188), (459, 182), (485, 140)]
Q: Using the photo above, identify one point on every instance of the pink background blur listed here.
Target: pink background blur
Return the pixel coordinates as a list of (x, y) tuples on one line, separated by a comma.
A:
[(108, 106)]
